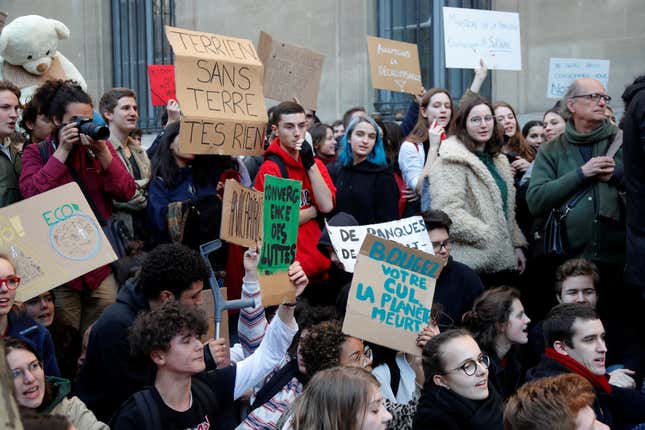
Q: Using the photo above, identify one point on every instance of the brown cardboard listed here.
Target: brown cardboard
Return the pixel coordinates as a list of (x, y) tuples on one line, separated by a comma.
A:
[(208, 307), (242, 213), (375, 279), (52, 238), (218, 80), (290, 71), (277, 289), (394, 65)]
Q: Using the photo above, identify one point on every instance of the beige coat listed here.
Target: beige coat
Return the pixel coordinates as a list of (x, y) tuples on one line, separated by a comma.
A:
[(462, 186), (140, 199), (78, 414)]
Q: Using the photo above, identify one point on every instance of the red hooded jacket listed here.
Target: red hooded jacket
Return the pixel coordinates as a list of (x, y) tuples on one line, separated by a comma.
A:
[(312, 261)]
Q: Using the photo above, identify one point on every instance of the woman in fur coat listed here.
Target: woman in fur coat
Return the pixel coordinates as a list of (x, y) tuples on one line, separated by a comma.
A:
[(472, 182)]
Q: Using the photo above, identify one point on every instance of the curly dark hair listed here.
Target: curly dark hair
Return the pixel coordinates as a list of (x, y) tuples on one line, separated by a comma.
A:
[(54, 96), (30, 113), (320, 348), (153, 330), (489, 314), (171, 267)]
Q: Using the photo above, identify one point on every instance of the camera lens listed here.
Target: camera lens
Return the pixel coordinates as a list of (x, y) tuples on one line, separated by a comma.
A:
[(95, 131)]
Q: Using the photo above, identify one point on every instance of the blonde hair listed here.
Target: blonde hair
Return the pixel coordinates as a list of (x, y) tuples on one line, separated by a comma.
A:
[(333, 399)]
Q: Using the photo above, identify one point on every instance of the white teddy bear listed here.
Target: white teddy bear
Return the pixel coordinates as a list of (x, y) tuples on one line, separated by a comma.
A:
[(29, 56)]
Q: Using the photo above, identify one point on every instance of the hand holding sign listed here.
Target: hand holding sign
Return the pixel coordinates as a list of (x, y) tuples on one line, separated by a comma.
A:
[(391, 296), (298, 277)]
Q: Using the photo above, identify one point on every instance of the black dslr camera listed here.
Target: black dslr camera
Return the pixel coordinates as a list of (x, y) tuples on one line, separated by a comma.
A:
[(90, 128)]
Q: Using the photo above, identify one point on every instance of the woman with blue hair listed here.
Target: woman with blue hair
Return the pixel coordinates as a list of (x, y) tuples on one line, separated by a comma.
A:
[(365, 184)]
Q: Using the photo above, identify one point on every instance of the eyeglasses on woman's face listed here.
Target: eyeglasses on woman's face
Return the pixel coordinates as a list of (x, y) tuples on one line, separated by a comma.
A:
[(477, 120), (470, 366), (12, 282)]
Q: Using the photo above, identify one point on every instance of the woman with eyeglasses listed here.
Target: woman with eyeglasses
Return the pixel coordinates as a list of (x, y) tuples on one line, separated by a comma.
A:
[(473, 183), (456, 393), (324, 346), (320, 346), (499, 323), (34, 391), (16, 323)]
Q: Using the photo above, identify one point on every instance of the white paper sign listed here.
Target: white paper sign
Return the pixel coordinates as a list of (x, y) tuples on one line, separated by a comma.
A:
[(347, 240), (563, 71), (472, 34)]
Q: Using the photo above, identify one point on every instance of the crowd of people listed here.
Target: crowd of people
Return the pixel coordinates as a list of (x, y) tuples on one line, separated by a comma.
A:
[(540, 229)]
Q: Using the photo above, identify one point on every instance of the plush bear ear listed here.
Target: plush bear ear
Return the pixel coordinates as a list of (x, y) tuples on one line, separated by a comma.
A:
[(61, 29)]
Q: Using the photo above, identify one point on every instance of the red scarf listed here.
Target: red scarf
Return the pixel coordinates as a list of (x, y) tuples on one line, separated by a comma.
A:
[(599, 382)]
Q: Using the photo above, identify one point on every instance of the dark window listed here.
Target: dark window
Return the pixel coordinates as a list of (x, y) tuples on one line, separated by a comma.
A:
[(138, 39), (421, 22)]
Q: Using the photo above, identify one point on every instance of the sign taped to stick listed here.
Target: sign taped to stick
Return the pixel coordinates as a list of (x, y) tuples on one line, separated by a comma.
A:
[(347, 240), (52, 238), (394, 65), (242, 213), (290, 71), (390, 299), (219, 88)]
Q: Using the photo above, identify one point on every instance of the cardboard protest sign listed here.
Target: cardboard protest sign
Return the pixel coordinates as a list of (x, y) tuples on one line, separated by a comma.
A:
[(162, 83), (347, 240), (391, 295), (208, 308), (394, 65), (219, 88), (563, 71), (290, 71), (281, 213), (52, 238), (242, 210), (473, 34)]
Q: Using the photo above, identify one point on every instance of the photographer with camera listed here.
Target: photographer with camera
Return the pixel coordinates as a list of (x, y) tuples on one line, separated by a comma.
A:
[(77, 150)]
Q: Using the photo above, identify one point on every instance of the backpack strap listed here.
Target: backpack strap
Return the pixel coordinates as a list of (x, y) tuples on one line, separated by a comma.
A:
[(277, 160), (205, 396), (274, 385), (615, 144), (44, 150), (149, 409)]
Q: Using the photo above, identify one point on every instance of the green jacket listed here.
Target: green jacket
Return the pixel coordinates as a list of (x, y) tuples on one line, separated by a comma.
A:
[(595, 227), (9, 174)]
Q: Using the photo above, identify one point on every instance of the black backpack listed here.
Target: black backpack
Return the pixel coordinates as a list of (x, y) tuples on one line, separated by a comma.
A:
[(149, 408), (277, 160)]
